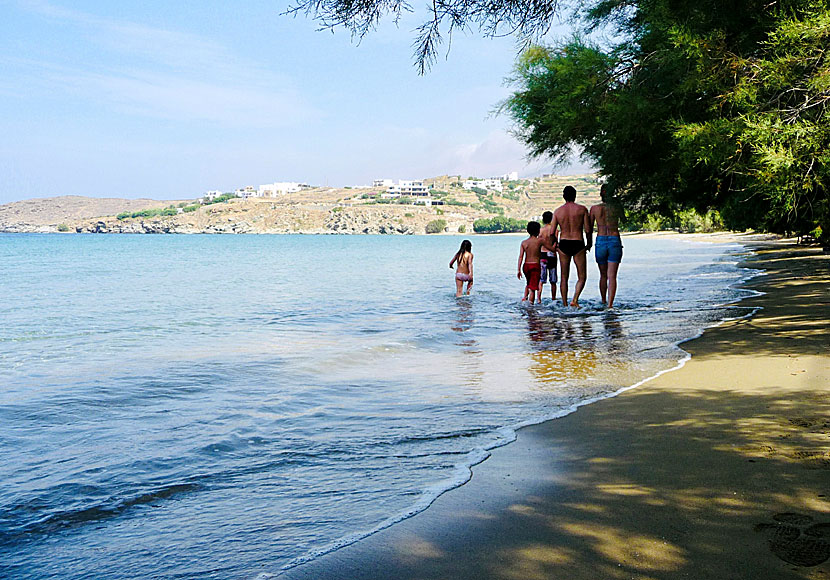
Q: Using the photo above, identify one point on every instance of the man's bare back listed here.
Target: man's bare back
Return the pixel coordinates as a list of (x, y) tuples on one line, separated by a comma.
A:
[(571, 219)]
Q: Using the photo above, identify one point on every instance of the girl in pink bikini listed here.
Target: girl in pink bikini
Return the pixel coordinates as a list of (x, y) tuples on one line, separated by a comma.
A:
[(463, 260)]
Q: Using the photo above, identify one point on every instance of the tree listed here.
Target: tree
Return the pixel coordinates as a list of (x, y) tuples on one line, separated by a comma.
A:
[(696, 105), (436, 226), (525, 18)]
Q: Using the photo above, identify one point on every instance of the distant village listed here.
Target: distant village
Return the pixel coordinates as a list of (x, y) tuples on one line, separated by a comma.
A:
[(419, 191)]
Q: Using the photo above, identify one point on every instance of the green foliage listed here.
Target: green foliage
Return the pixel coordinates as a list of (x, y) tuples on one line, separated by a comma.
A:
[(190, 208), (436, 226), (409, 215), (478, 190), (499, 224), (439, 211), (63, 228), (693, 105), (147, 213), (491, 206), (686, 221), (220, 198), (462, 229)]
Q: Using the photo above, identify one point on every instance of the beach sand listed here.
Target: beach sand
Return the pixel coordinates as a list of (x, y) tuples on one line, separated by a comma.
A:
[(720, 469)]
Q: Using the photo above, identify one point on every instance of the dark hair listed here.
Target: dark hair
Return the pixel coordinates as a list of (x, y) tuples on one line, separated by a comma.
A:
[(547, 217), (466, 246), (533, 228), (604, 192), (569, 193)]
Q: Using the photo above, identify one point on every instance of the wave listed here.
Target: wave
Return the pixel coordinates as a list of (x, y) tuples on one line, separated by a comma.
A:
[(463, 471)]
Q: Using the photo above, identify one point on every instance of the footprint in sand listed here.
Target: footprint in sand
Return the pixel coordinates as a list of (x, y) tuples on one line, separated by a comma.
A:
[(796, 539)]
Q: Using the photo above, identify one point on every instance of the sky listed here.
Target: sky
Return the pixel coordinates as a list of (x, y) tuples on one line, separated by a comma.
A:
[(170, 99)]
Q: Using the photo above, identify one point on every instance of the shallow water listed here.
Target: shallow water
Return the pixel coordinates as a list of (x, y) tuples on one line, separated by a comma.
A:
[(221, 406)]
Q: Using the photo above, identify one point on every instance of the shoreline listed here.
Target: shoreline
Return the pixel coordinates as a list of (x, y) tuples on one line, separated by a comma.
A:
[(411, 549)]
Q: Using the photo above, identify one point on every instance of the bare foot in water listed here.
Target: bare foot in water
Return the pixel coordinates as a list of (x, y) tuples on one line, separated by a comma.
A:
[(574, 304)]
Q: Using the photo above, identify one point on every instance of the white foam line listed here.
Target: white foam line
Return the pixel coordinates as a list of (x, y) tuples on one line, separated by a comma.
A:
[(464, 471)]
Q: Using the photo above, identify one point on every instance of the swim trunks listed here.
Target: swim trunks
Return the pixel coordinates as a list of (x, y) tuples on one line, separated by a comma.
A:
[(571, 247), (463, 277), (549, 268), (608, 249), (532, 271)]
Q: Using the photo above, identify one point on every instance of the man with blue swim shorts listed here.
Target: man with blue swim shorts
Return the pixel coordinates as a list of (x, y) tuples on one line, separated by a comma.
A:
[(608, 249)]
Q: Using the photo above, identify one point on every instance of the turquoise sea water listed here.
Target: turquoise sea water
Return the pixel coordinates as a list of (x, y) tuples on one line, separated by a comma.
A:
[(223, 406)]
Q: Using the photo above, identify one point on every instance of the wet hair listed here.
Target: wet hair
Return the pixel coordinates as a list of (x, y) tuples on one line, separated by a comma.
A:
[(466, 246), (547, 217), (533, 228), (569, 193)]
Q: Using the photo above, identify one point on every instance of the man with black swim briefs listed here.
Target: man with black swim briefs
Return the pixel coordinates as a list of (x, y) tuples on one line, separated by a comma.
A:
[(571, 219)]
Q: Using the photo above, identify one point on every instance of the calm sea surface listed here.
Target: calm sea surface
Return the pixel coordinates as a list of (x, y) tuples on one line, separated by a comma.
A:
[(223, 406)]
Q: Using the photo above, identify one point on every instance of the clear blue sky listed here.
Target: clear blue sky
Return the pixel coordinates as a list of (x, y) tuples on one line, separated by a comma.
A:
[(168, 99)]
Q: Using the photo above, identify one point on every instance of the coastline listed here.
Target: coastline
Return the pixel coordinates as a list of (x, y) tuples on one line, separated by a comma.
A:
[(686, 476)]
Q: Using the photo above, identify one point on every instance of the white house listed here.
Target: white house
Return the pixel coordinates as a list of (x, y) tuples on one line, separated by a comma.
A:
[(490, 184), (279, 188), (512, 176), (413, 188), (246, 192), (211, 195), (384, 183)]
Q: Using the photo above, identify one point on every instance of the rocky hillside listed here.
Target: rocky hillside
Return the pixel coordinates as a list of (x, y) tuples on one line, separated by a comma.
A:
[(319, 210)]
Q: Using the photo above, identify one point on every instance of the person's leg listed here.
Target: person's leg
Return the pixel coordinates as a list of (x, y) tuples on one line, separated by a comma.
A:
[(564, 272), (554, 279), (469, 285), (459, 286), (581, 263), (603, 282), (613, 268)]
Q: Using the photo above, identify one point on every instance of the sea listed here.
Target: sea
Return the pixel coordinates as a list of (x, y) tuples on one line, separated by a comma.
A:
[(232, 406)]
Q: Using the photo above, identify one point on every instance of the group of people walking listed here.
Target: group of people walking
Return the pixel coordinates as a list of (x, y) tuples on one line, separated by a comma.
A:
[(565, 235)]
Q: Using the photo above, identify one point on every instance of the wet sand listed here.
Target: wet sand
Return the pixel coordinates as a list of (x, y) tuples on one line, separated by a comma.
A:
[(720, 469)]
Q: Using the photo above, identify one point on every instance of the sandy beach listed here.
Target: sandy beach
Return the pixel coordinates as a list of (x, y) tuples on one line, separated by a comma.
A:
[(720, 469)]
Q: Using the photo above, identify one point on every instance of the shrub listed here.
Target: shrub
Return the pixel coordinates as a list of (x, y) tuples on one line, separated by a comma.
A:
[(190, 208), (462, 229), (439, 211), (63, 228), (498, 225), (436, 226), (407, 214)]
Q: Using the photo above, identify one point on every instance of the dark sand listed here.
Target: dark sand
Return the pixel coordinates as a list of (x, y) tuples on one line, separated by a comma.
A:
[(718, 470)]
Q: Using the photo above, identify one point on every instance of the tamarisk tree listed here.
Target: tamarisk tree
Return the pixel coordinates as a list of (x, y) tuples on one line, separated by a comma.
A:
[(705, 104)]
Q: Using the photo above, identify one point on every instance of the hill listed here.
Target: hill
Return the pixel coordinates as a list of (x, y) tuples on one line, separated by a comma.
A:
[(315, 210)]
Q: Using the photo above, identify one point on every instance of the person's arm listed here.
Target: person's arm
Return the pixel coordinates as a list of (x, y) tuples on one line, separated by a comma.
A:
[(589, 230), (471, 266), (521, 258), (453, 261)]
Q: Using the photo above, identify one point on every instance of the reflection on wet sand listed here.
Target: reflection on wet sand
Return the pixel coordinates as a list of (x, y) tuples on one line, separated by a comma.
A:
[(567, 349), (471, 363)]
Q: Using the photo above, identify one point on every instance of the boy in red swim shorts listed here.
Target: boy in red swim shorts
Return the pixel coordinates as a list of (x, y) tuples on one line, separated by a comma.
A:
[(529, 256)]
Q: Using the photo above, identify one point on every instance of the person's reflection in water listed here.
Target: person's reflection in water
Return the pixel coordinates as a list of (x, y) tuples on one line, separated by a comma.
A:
[(464, 320), (562, 349), (614, 334), (470, 364)]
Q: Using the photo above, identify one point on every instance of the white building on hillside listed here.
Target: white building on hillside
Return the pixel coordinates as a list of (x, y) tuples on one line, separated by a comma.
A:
[(490, 184), (246, 192), (211, 195), (384, 183), (413, 188), (280, 188), (512, 176)]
